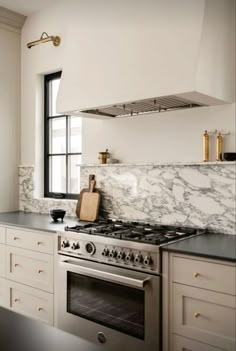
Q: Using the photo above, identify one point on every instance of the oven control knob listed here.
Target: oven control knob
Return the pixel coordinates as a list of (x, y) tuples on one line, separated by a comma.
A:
[(129, 257), (147, 260), (105, 252), (65, 244), (90, 248), (138, 258), (113, 254), (75, 246), (121, 255)]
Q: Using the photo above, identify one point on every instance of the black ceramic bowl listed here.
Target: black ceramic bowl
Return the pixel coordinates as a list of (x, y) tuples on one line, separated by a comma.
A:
[(57, 214), (230, 156)]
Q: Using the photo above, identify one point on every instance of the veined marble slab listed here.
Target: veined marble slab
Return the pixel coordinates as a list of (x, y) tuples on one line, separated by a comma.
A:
[(201, 195), (179, 194)]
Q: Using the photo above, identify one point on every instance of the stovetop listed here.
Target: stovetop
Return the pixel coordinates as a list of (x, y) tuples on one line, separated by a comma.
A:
[(135, 231)]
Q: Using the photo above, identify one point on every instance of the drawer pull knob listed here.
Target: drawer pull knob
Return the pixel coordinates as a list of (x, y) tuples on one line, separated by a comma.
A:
[(196, 314), (40, 309), (16, 300), (196, 274), (40, 271), (39, 243), (16, 265), (15, 238)]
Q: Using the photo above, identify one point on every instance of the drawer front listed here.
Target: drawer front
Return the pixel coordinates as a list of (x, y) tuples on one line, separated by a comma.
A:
[(2, 260), (205, 316), (30, 302), (3, 292), (30, 240), (31, 268), (2, 235), (206, 275), (184, 344)]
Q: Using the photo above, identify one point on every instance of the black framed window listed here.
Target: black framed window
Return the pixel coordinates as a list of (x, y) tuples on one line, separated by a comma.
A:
[(63, 146)]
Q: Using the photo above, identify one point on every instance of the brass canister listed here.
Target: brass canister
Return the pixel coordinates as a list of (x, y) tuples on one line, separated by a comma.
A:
[(219, 147), (205, 146), (103, 156)]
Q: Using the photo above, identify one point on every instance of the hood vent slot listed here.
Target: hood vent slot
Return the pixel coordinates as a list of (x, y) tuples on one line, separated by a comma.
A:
[(161, 104)]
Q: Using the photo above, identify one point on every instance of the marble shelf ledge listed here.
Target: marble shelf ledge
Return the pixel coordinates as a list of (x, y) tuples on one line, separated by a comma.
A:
[(211, 163)]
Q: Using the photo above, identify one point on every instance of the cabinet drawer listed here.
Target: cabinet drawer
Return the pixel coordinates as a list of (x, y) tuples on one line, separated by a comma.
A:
[(3, 292), (2, 260), (205, 316), (30, 302), (2, 235), (31, 268), (30, 240), (206, 275), (184, 344)]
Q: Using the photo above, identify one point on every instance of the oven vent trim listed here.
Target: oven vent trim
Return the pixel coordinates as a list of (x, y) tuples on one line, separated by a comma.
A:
[(145, 106)]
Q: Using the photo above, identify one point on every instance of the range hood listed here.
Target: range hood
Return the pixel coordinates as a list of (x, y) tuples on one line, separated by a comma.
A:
[(153, 56)]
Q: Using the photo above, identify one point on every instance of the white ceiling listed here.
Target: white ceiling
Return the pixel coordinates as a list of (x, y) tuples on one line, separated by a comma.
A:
[(26, 7)]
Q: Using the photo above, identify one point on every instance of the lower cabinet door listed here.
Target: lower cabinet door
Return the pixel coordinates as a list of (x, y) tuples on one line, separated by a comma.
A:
[(184, 344), (2, 260), (3, 292), (30, 302), (205, 316)]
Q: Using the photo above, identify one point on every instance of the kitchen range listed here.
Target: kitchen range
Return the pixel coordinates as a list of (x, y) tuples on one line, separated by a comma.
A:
[(108, 282)]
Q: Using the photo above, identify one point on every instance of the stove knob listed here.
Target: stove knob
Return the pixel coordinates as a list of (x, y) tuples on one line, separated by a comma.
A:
[(121, 255), (65, 244), (105, 252), (113, 254), (75, 246), (90, 248), (147, 260), (129, 257), (138, 258)]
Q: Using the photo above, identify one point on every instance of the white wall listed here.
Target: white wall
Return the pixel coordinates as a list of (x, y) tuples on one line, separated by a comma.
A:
[(9, 118), (166, 137)]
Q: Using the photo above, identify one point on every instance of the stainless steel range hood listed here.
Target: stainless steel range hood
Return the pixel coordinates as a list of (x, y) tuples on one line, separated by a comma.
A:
[(158, 56)]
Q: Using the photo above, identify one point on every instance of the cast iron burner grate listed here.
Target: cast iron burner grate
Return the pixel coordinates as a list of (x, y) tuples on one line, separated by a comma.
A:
[(135, 231)]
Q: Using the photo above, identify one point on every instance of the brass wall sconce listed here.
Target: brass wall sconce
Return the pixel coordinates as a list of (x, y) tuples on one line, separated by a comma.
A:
[(44, 39)]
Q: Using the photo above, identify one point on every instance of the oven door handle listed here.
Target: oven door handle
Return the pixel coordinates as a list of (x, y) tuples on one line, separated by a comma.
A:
[(112, 277)]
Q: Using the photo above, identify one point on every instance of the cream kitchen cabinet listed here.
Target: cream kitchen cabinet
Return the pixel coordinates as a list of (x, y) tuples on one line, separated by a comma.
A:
[(199, 304), (26, 272)]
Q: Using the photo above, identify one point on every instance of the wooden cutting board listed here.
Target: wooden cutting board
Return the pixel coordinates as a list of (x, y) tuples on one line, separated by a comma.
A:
[(78, 206), (89, 204)]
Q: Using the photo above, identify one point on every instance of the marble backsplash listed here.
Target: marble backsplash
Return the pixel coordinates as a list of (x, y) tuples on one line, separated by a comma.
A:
[(201, 195)]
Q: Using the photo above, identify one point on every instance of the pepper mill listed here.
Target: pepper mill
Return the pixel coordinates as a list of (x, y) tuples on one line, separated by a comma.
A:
[(205, 146), (219, 147)]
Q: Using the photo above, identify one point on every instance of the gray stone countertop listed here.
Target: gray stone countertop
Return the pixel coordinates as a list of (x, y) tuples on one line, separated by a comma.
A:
[(36, 221), (210, 245)]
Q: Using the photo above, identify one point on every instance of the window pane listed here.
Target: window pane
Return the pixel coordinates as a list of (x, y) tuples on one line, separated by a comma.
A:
[(57, 174), (74, 174), (53, 90), (57, 135), (75, 133)]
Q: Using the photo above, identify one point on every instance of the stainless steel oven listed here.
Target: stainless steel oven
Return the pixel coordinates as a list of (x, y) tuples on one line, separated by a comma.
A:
[(115, 306)]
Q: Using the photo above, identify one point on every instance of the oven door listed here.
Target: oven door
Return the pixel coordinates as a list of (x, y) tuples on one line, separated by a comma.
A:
[(114, 306)]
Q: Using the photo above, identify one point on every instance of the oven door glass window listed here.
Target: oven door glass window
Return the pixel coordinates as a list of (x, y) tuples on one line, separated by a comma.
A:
[(113, 305)]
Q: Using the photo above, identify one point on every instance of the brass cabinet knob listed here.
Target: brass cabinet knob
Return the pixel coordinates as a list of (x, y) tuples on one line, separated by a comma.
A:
[(40, 271), (40, 309), (15, 238), (196, 314), (16, 300), (16, 265), (39, 243), (196, 274)]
